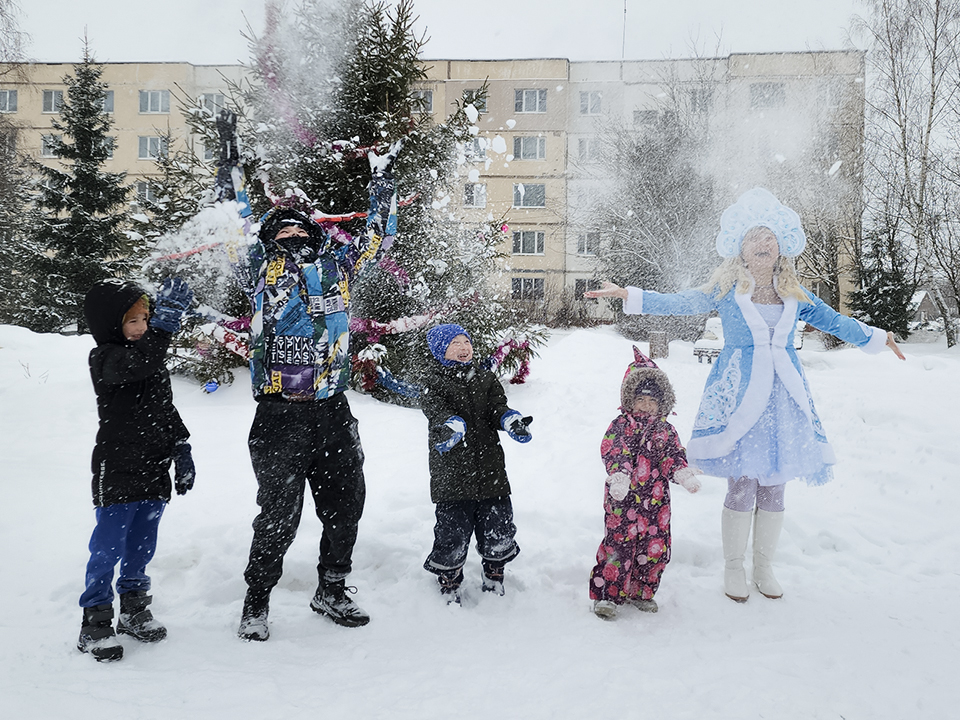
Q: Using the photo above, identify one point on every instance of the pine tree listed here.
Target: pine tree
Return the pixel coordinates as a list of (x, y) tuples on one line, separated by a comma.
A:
[(19, 253), (333, 82), (82, 208), (886, 285)]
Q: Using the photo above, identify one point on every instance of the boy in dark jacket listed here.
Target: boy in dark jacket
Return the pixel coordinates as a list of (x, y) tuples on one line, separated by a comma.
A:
[(466, 407), (140, 433)]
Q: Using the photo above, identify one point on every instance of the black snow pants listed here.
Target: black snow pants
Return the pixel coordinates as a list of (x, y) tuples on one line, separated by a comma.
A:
[(492, 522), (293, 444)]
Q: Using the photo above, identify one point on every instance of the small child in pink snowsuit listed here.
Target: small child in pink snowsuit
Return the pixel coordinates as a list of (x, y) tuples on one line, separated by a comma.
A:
[(642, 454)]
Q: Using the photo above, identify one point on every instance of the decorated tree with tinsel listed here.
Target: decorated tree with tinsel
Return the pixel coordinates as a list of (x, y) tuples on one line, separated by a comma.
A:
[(81, 209), (331, 85)]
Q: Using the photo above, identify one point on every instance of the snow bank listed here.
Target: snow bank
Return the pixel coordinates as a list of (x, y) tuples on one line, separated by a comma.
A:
[(867, 628)]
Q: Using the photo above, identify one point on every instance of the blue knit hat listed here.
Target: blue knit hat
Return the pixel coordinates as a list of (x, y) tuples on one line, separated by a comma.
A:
[(439, 338)]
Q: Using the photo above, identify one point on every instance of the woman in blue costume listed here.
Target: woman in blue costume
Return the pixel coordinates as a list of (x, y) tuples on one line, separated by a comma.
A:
[(757, 425)]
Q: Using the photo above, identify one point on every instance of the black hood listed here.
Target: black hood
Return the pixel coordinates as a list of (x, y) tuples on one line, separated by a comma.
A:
[(105, 305), (278, 217)]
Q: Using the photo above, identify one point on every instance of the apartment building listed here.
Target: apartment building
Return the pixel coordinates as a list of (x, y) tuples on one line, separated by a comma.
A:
[(792, 122), (144, 101)]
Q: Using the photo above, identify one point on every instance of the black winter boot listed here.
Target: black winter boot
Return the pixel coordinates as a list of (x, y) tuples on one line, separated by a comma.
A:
[(450, 585), (493, 577), (136, 619), (332, 600), (253, 620), (97, 636)]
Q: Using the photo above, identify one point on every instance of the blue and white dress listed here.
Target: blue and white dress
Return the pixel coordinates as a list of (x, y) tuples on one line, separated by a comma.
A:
[(756, 417)]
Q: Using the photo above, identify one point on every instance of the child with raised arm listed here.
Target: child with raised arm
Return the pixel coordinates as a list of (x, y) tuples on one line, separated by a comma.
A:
[(466, 408), (643, 455), (140, 434)]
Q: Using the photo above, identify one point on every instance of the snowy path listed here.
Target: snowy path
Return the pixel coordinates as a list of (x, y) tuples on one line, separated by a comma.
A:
[(868, 627)]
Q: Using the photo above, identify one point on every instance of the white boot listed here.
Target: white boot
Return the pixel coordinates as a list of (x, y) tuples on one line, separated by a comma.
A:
[(735, 531), (766, 534)]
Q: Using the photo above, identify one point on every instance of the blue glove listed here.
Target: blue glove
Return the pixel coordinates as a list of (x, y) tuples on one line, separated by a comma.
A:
[(173, 299), (454, 429), (517, 426), (184, 471)]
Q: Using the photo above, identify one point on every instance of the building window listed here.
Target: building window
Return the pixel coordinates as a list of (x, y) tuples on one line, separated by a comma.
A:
[(472, 97), (210, 152), (146, 192), (8, 101), (701, 100), (528, 242), (581, 286), (213, 103), (8, 141), (529, 148), (526, 288), (475, 195), (422, 101), (530, 101), (47, 143), (107, 102), (591, 103), (109, 144), (150, 148), (476, 149), (832, 95), (588, 149), (644, 117), (529, 195), (154, 101), (767, 95), (52, 101), (588, 243)]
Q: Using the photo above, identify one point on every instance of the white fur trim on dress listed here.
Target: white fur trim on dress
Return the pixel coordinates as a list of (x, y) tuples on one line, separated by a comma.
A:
[(633, 305), (877, 342)]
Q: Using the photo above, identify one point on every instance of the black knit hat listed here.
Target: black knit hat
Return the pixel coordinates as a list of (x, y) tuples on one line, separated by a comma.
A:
[(279, 217)]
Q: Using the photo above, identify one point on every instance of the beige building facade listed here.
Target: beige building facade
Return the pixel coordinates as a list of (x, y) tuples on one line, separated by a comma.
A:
[(144, 101), (791, 122)]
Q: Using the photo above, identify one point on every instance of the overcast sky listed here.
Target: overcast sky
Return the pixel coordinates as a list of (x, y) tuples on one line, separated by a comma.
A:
[(209, 31)]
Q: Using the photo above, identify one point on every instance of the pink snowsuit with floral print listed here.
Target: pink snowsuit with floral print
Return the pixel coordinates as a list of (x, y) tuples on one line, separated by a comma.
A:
[(636, 546)]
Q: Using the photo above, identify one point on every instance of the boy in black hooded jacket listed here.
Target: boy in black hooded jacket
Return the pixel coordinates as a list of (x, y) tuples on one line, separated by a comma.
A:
[(140, 433)]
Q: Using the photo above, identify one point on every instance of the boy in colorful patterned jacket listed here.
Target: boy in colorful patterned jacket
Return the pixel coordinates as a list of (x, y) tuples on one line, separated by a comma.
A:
[(642, 454), (303, 433)]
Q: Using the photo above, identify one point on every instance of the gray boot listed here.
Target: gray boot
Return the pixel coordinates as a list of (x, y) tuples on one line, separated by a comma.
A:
[(766, 535), (735, 531), (97, 636), (137, 620)]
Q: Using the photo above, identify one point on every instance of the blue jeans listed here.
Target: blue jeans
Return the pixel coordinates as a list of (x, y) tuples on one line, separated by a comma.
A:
[(125, 533)]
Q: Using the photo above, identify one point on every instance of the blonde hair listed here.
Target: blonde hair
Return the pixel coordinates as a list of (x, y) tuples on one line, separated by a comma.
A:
[(732, 272), (141, 305)]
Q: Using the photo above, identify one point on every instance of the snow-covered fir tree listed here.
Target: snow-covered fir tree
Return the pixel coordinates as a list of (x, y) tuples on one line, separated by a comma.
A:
[(886, 285), (333, 82), (82, 211), (19, 252)]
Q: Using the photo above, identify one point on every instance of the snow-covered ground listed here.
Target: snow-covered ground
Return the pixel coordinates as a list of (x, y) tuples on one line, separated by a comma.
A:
[(868, 628)]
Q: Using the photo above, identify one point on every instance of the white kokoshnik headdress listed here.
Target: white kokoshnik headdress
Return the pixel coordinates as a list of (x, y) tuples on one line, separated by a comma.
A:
[(759, 208)]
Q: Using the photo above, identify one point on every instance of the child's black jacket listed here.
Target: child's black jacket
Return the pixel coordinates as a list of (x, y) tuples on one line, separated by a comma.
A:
[(139, 426), (474, 469)]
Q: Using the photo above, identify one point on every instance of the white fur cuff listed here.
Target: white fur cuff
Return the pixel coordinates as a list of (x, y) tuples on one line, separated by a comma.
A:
[(633, 305)]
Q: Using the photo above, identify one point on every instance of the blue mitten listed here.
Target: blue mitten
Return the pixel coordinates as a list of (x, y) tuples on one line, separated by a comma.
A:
[(184, 471), (517, 426), (173, 299), (453, 430)]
